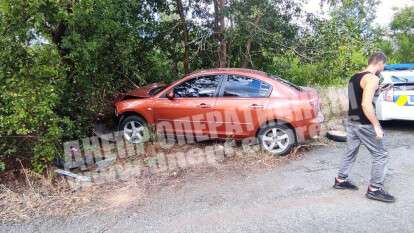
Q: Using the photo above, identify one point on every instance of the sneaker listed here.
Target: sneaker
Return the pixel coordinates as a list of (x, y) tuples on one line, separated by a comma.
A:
[(379, 195), (346, 184)]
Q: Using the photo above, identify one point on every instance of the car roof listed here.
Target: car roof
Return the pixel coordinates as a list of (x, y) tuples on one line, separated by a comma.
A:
[(230, 70), (402, 66)]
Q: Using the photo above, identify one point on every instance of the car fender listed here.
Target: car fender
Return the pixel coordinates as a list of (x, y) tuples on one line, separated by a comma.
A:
[(139, 107)]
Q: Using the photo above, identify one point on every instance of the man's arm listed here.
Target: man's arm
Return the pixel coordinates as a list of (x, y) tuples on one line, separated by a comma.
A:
[(369, 88)]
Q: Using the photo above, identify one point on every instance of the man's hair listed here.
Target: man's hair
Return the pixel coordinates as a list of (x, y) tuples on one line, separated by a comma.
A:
[(377, 57)]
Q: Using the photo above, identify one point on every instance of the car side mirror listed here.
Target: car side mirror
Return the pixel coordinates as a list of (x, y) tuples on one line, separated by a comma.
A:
[(170, 94)]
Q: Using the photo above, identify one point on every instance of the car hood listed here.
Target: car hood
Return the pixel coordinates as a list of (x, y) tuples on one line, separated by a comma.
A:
[(144, 91), (138, 93)]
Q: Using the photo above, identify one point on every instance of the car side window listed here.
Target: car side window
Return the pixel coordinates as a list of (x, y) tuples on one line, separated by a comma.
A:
[(240, 86), (205, 86)]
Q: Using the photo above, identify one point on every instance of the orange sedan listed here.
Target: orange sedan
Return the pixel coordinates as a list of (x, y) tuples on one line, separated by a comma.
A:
[(226, 103)]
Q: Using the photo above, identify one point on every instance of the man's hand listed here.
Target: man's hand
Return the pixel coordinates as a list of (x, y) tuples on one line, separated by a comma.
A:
[(379, 132)]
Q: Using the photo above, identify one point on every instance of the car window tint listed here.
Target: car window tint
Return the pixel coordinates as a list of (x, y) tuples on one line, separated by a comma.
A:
[(239, 86), (197, 87)]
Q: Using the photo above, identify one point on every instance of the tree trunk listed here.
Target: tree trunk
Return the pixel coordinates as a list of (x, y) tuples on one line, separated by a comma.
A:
[(247, 58), (184, 28), (219, 31)]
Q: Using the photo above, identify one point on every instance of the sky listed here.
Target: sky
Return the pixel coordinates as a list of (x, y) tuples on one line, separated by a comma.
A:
[(385, 10)]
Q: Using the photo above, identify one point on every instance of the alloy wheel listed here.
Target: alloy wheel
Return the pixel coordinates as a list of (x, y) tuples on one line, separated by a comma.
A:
[(134, 132), (275, 140)]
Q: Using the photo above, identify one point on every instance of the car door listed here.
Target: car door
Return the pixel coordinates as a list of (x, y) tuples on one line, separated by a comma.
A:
[(185, 113), (241, 103)]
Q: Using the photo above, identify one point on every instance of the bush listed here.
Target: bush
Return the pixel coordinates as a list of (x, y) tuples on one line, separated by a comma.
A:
[(2, 166), (321, 72), (29, 95)]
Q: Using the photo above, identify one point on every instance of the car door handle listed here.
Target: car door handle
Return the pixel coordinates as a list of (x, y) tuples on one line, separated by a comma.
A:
[(256, 106), (203, 105)]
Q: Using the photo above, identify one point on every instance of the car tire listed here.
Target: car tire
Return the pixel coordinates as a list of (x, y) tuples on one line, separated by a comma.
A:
[(336, 135), (281, 144), (134, 129)]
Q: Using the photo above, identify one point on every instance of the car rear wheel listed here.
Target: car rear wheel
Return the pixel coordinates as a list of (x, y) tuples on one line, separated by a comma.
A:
[(134, 129), (277, 139)]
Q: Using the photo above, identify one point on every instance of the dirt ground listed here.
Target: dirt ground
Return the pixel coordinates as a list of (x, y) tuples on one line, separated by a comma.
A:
[(26, 196), (241, 194)]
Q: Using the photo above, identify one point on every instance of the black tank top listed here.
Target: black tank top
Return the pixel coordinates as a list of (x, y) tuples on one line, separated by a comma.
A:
[(355, 112)]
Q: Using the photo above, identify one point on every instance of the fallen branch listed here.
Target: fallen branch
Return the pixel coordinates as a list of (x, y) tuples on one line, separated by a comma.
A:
[(26, 176)]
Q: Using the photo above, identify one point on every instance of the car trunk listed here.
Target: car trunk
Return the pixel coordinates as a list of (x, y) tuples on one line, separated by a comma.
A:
[(404, 87), (400, 93), (403, 94)]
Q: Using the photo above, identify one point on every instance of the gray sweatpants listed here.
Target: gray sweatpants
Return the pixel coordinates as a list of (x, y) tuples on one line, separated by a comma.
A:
[(365, 134)]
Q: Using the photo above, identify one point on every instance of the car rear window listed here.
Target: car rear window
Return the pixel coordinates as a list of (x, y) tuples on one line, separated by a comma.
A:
[(402, 79), (284, 81)]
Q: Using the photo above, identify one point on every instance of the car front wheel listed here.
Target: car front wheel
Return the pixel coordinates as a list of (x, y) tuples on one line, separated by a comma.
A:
[(277, 139), (134, 129)]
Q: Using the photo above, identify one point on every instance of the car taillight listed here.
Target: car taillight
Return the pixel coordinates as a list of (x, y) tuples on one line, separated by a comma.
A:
[(389, 95)]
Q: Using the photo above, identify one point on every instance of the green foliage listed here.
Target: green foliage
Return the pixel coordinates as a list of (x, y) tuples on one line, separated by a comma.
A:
[(404, 20), (405, 52), (320, 73), (328, 52), (28, 97), (260, 26), (30, 79), (2, 166), (61, 64), (402, 37), (403, 27)]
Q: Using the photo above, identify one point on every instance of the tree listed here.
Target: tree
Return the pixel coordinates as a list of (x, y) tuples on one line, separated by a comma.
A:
[(219, 30), (30, 87), (404, 21), (182, 13), (61, 64), (258, 27), (403, 30)]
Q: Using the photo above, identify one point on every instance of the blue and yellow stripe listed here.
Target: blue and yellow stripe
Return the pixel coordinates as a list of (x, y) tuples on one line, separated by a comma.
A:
[(403, 100)]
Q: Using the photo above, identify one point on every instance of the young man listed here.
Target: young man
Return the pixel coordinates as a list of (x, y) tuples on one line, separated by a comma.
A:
[(363, 127)]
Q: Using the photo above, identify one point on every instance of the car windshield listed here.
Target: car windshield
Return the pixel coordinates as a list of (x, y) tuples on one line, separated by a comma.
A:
[(156, 90), (402, 79), (287, 83)]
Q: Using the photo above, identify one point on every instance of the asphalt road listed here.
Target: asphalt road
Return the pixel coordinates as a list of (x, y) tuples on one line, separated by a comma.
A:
[(296, 197)]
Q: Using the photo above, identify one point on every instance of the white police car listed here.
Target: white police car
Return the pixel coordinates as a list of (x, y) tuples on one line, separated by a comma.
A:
[(396, 101)]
